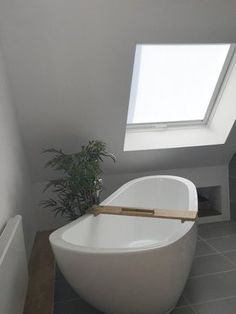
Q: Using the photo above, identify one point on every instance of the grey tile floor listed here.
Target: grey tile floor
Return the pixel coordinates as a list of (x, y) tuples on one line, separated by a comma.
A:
[(211, 288)]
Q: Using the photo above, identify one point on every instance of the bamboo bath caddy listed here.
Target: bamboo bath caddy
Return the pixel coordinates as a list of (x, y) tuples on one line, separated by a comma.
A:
[(142, 212)]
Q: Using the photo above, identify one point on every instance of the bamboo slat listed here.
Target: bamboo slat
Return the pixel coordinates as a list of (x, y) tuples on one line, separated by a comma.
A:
[(143, 212)]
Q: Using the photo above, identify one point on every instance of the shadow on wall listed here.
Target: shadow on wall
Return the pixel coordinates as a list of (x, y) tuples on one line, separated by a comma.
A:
[(232, 186)]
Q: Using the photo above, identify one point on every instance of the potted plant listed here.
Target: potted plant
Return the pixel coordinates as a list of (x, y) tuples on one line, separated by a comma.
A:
[(80, 183)]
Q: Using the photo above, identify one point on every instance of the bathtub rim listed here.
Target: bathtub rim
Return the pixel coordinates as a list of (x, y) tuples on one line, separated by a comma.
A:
[(191, 188), (56, 238)]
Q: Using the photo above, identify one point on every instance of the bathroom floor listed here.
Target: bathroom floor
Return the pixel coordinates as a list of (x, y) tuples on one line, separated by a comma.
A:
[(211, 288)]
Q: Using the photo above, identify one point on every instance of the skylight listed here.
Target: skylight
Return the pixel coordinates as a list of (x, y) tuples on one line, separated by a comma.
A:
[(176, 83)]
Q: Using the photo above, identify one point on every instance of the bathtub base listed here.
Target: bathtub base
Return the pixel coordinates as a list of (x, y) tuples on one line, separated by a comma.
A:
[(125, 264)]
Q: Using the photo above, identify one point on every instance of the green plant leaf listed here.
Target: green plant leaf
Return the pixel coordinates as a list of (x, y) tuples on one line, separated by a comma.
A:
[(79, 186)]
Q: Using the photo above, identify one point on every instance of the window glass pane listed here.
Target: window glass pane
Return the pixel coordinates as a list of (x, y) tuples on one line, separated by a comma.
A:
[(174, 82)]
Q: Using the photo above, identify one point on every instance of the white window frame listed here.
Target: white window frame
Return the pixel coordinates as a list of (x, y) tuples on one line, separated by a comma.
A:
[(163, 125)]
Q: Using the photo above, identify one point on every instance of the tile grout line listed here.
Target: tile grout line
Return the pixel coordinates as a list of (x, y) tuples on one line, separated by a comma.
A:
[(212, 247), (203, 255), (212, 274), (183, 305), (188, 304), (68, 300), (228, 259), (217, 252), (192, 308), (221, 253), (206, 254), (214, 300), (218, 237), (229, 251)]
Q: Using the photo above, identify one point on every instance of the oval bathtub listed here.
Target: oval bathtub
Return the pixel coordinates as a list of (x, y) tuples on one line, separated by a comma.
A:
[(131, 265)]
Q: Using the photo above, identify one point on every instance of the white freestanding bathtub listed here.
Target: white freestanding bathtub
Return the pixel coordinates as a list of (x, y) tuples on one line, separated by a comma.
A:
[(131, 265)]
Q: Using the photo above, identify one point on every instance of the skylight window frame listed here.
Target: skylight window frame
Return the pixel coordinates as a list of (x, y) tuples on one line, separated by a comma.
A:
[(184, 123)]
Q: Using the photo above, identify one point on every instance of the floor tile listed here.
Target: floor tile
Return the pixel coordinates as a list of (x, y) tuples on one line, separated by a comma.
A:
[(231, 256), (183, 310), (182, 301), (211, 287), (74, 307), (218, 229), (58, 274), (203, 248), (223, 244), (210, 264), (227, 306), (64, 292)]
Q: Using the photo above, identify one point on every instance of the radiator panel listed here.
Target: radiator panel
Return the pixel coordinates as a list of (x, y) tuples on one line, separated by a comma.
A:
[(13, 268)]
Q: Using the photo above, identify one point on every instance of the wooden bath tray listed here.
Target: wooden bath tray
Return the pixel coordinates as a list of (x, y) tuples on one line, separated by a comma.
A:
[(142, 212)]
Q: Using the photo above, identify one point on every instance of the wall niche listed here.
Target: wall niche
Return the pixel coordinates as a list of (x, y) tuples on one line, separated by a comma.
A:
[(209, 201)]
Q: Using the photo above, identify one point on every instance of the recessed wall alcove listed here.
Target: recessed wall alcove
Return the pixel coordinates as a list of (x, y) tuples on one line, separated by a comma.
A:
[(209, 201)]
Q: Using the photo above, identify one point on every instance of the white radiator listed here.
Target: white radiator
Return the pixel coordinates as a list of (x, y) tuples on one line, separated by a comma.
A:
[(13, 268)]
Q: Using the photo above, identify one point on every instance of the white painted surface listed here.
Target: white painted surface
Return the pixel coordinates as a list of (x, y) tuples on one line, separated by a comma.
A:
[(103, 233), (70, 67), (15, 185), (164, 192), (44, 218), (13, 268), (129, 265)]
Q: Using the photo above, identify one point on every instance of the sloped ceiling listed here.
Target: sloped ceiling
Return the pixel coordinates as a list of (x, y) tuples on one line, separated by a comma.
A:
[(69, 65)]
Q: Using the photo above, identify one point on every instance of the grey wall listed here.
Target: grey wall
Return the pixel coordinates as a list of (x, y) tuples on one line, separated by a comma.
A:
[(15, 184)]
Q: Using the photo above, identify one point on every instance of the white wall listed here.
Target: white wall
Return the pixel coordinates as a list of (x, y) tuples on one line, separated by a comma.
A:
[(70, 66), (43, 218), (15, 185), (201, 177)]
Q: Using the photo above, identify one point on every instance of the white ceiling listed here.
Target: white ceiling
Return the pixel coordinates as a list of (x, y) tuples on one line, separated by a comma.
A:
[(69, 64)]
